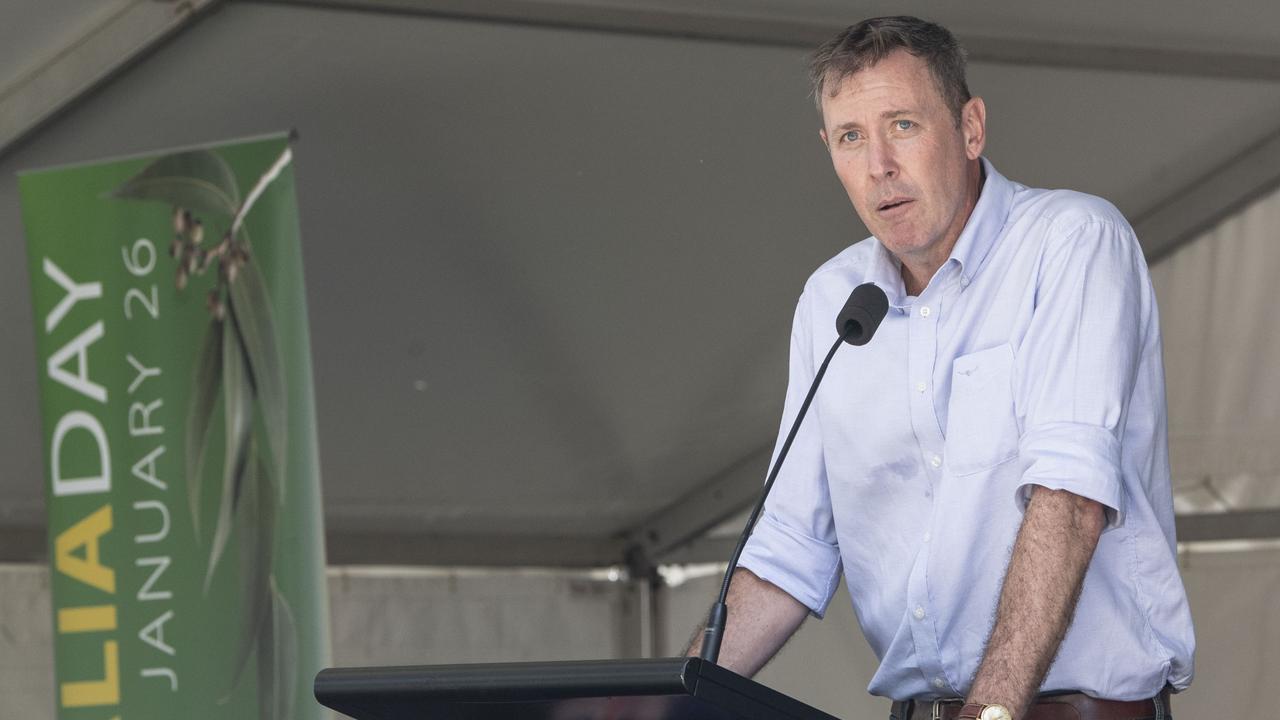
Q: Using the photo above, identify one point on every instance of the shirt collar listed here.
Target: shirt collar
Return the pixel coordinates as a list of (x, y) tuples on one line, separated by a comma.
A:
[(984, 225), (971, 248), (885, 270)]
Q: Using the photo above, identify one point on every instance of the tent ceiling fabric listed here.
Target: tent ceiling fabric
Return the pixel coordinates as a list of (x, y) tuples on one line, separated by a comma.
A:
[(551, 271)]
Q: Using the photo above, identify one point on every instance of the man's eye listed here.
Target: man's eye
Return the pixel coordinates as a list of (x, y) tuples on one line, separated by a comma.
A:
[(850, 136), (905, 124)]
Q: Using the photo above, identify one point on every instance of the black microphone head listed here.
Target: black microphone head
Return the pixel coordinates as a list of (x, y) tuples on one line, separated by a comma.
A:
[(862, 313)]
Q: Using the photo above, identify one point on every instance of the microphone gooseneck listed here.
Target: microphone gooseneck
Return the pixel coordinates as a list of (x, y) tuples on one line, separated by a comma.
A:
[(855, 324)]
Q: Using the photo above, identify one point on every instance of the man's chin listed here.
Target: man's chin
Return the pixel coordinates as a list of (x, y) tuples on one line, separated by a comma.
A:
[(900, 243)]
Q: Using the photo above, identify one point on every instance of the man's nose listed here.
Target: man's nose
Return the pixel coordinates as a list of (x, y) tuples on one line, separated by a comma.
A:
[(882, 164)]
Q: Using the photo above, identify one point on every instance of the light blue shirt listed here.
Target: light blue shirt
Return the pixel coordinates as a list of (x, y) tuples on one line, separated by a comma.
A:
[(1031, 358)]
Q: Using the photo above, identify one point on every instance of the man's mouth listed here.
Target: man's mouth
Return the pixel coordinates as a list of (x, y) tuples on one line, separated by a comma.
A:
[(892, 203)]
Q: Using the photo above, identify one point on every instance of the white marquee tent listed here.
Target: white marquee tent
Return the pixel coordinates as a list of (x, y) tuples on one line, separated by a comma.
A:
[(552, 246)]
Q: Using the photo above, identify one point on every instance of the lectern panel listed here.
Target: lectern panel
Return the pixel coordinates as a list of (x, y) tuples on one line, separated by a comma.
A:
[(663, 689)]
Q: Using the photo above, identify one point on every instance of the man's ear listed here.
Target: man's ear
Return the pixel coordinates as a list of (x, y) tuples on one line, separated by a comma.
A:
[(822, 133), (973, 123)]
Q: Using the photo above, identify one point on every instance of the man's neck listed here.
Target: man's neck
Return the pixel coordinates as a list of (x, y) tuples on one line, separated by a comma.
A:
[(916, 279), (918, 271)]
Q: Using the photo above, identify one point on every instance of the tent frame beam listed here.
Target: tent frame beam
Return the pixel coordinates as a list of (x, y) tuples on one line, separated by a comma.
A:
[(1210, 199), (89, 62), (29, 544), (1234, 525), (1199, 527), (710, 504), (408, 548), (804, 30)]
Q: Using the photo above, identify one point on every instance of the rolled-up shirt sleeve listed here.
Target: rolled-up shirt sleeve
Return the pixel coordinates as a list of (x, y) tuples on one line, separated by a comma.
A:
[(794, 544), (1078, 362)]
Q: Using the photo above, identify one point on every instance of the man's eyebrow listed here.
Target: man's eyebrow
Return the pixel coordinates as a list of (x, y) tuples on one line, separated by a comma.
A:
[(886, 115)]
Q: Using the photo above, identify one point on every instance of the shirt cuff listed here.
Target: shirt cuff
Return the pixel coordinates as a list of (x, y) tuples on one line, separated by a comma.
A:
[(1081, 459), (805, 568)]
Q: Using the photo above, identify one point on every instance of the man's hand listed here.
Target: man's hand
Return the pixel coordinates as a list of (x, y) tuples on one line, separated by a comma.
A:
[(1041, 587), (762, 617)]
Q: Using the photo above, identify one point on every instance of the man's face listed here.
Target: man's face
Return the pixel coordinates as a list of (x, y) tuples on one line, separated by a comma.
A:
[(906, 166)]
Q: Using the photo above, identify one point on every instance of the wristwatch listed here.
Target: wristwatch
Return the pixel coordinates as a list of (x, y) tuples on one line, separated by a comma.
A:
[(978, 711)]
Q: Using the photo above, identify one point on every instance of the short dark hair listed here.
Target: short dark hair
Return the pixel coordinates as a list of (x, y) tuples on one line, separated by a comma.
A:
[(860, 46)]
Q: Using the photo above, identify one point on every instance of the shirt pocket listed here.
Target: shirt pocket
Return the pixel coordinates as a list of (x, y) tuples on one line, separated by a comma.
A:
[(982, 429)]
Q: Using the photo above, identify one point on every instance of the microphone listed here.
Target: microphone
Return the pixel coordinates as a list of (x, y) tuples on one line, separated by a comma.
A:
[(855, 324), (862, 314)]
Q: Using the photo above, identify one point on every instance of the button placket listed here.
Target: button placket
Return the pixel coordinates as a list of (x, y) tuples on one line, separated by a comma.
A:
[(922, 351), (922, 628), (923, 334)]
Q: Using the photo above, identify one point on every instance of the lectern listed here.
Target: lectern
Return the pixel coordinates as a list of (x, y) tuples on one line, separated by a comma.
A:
[(660, 689)]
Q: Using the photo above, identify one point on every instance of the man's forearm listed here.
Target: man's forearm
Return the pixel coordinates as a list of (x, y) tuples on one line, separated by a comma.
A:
[(762, 618), (1041, 586)]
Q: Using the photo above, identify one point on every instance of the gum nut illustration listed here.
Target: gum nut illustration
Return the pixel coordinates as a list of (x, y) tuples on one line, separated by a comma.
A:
[(214, 303)]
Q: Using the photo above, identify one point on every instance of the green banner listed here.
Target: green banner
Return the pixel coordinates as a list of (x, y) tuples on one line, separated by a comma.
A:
[(185, 537)]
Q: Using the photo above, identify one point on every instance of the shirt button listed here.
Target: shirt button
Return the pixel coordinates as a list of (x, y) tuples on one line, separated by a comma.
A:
[(919, 613), (924, 311), (939, 683), (928, 537), (935, 461), (921, 387)]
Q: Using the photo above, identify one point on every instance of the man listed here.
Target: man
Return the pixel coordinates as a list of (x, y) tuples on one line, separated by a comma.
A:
[(991, 471)]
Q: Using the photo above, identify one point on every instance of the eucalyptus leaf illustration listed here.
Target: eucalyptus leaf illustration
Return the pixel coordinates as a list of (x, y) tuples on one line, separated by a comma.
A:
[(237, 398), (286, 654), (255, 530), (280, 673), (206, 382), (197, 180), (251, 307)]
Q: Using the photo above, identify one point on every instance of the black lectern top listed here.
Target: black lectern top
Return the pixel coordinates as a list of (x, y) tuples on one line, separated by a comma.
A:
[(661, 689)]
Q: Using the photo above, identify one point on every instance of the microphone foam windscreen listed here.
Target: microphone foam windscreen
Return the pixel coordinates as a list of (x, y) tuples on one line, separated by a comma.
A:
[(862, 313)]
